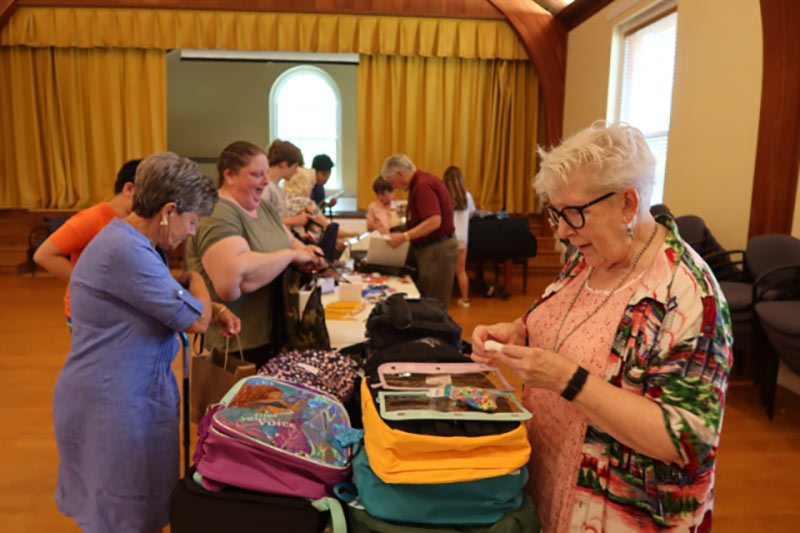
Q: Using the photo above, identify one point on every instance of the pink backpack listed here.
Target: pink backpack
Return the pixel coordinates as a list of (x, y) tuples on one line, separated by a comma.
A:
[(273, 436)]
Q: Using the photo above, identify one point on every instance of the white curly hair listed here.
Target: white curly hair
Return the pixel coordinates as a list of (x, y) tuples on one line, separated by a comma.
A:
[(618, 154)]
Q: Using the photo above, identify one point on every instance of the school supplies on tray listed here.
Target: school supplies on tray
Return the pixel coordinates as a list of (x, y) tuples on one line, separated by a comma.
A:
[(427, 375)]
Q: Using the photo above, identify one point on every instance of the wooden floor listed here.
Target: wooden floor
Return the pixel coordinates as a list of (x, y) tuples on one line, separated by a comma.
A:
[(758, 474)]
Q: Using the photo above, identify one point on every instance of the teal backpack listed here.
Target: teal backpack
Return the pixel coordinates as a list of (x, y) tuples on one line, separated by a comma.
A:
[(523, 520), (480, 502)]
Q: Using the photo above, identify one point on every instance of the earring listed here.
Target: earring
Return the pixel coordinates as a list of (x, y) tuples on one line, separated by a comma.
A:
[(629, 232), (163, 222)]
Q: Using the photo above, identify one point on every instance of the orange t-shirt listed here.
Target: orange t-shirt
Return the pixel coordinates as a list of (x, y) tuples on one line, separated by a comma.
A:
[(73, 236)]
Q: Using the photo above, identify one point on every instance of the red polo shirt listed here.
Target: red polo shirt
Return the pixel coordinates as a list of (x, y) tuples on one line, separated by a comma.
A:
[(428, 196)]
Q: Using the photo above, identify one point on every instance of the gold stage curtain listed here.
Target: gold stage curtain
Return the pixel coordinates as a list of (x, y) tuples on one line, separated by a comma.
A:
[(479, 115), (83, 89), (166, 29), (70, 117)]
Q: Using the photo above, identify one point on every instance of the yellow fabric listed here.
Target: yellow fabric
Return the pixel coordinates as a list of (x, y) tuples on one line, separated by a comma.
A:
[(399, 457), (479, 115), (237, 30), (70, 117), (468, 82)]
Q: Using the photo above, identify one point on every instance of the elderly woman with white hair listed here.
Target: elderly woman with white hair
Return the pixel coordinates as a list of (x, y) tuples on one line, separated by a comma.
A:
[(625, 358)]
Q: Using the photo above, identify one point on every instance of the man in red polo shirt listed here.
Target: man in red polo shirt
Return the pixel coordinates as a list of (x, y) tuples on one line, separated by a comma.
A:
[(429, 227)]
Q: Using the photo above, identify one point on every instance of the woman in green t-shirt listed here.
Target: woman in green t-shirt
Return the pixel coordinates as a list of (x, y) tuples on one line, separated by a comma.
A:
[(243, 246)]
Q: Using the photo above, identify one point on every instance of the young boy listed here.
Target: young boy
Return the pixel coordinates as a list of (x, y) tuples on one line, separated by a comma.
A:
[(284, 158), (322, 165), (59, 253), (380, 214)]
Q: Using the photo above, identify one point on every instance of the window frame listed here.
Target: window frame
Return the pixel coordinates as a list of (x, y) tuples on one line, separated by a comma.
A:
[(274, 91), (622, 31)]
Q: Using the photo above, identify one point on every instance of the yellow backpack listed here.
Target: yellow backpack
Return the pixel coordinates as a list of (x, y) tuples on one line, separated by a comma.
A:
[(400, 457)]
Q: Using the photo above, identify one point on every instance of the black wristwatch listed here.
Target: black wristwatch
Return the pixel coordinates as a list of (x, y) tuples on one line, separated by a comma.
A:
[(575, 384)]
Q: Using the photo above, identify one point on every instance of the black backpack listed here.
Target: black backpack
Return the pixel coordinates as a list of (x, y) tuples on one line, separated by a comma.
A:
[(397, 319)]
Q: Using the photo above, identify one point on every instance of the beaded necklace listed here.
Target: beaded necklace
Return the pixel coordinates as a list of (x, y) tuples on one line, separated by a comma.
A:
[(557, 345)]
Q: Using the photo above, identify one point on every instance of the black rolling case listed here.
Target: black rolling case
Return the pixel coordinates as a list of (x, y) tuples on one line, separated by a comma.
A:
[(196, 510)]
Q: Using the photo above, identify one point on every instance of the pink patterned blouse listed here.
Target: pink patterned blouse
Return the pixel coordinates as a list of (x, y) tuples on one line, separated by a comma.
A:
[(665, 336), (557, 428)]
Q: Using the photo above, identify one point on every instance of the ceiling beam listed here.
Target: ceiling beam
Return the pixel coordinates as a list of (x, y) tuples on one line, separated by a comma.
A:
[(7, 8), (579, 11), (546, 42)]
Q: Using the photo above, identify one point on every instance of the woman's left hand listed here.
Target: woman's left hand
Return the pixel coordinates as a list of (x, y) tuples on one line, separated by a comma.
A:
[(538, 368), (229, 324)]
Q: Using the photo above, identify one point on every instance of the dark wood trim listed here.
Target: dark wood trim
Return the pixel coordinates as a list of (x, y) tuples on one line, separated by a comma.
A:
[(546, 42), (481, 9), (778, 151), (578, 11), (651, 20), (7, 8)]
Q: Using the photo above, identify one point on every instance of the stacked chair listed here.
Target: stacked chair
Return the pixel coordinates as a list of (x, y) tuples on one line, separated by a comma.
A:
[(447, 468), (764, 303), (775, 261)]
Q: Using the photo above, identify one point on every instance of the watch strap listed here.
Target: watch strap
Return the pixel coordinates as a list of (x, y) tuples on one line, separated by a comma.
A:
[(576, 383)]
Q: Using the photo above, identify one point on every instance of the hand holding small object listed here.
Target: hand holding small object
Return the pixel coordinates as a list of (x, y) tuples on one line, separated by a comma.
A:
[(493, 346)]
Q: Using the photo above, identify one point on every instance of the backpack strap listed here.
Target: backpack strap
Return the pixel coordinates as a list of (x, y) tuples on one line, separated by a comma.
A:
[(332, 506)]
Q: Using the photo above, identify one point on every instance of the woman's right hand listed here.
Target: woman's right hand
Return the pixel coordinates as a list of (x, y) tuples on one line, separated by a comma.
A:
[(503, 332), (309, 255)]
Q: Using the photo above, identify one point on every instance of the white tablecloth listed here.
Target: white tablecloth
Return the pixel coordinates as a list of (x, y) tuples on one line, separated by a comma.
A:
[(346, 332)]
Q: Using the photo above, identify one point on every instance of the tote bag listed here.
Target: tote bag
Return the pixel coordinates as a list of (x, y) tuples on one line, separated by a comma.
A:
[(212, 375)]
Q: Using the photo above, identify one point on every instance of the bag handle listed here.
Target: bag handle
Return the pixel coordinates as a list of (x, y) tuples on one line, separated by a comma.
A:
[(399, 311), (227, 346)]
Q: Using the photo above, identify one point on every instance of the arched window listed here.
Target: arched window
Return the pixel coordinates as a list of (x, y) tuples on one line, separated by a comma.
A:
[(304, 108)]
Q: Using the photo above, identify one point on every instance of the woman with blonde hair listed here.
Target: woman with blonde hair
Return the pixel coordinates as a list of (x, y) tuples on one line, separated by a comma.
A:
[(463, 207)]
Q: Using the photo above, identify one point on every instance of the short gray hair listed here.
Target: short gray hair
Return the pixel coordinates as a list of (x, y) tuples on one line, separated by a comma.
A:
[(394, 163), (165, 177), (617, 152)]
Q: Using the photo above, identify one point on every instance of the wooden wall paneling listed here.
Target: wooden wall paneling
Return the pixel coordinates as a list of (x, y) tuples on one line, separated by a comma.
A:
[(411, 8), (545, 39), (578, 11), (7, 8), (778, 150)]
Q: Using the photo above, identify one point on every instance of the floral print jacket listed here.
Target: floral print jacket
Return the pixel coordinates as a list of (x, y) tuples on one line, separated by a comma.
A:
[(674, 346)]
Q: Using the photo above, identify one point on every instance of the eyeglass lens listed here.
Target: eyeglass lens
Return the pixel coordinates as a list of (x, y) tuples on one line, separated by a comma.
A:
[(572, 215)]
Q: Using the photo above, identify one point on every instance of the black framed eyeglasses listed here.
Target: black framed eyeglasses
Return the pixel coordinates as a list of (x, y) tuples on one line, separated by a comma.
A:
[(573, 214)]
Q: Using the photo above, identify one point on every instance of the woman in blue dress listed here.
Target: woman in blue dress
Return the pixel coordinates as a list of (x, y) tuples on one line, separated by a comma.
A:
[(116, 401)]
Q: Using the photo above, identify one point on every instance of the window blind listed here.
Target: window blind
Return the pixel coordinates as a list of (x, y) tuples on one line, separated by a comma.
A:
[(647, 79)]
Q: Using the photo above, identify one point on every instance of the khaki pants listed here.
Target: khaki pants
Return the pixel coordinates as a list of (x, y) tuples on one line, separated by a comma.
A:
[(436, 265)]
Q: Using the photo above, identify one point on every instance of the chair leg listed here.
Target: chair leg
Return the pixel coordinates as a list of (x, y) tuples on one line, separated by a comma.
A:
[(772, 382), (768, 364)]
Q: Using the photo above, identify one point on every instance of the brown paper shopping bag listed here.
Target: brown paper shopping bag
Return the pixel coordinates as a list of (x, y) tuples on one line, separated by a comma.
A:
[(212, 375)]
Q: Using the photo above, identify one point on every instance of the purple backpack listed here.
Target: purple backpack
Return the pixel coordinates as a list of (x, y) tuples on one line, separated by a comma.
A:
[(328, 371), (273, 436)]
